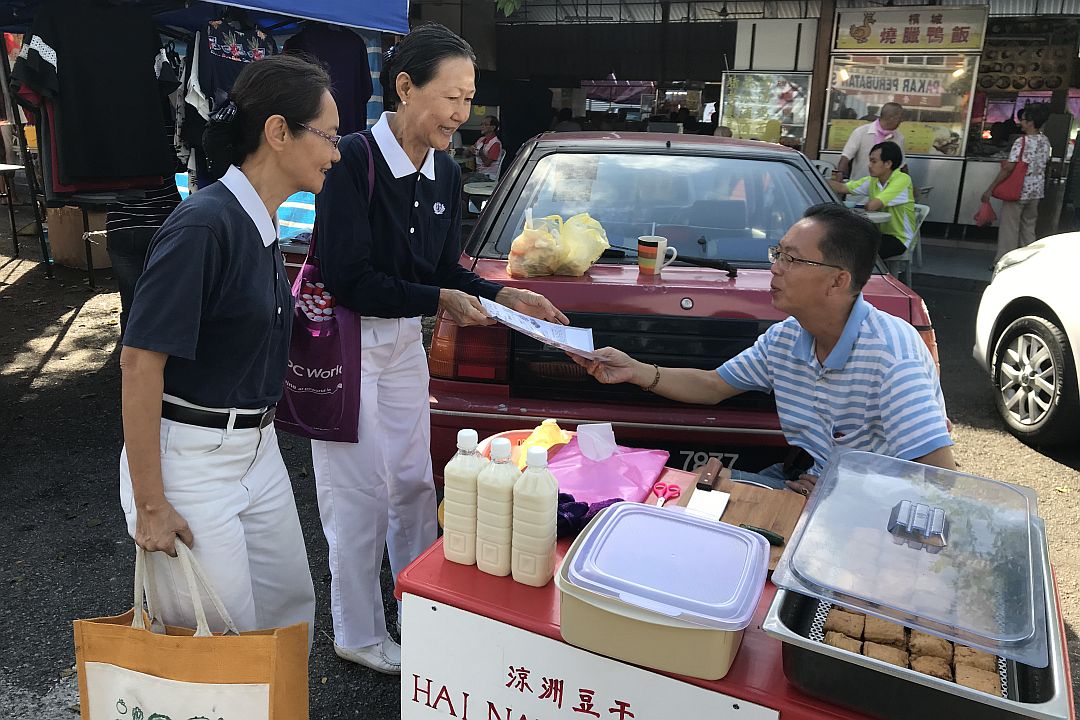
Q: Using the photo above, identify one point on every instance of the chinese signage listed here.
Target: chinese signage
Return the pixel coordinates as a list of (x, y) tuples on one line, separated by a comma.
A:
[(458, 665), (911, 28)]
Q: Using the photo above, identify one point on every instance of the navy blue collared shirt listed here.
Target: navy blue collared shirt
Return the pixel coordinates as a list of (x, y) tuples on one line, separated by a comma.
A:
[(214, 298), (389, 258)]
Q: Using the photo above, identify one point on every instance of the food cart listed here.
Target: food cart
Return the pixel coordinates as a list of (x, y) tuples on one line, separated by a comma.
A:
[(477, 646)]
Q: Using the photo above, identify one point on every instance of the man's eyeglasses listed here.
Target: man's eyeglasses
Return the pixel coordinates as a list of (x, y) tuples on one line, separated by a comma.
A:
[(332, 139), (784, 260)]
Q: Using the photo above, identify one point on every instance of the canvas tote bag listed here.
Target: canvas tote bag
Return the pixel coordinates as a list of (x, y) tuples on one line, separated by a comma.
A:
[(320, 399), (133, 667)]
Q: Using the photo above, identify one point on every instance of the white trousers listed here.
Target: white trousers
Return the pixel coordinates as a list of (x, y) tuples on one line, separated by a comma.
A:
[(232, 488), (379, 491)]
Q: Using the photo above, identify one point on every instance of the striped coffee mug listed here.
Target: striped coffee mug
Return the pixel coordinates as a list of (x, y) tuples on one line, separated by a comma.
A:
[(653, 254)]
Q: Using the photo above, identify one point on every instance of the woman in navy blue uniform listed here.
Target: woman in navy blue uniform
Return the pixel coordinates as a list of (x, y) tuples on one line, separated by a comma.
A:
[(393, 260), (204, 357)]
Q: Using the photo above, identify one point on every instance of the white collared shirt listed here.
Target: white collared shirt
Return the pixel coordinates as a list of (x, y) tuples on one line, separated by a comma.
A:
[(399, 163), (244, 192)]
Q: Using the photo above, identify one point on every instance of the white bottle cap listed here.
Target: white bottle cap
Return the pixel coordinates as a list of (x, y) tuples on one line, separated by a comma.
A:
[(500, 449), (537, 457), (466, 440)]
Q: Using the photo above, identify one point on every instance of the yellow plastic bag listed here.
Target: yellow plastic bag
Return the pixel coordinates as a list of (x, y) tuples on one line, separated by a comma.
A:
[(585, 241), (547, 435), (539, 249)]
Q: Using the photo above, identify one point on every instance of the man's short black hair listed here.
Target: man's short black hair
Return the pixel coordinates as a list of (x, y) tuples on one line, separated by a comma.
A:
[(850, 241), (890, 152)]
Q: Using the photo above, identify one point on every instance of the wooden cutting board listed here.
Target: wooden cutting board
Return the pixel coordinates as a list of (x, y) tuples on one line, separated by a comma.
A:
[(776, 510)]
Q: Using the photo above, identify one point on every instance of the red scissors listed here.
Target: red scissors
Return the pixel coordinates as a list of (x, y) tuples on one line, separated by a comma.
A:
[(665, 491)]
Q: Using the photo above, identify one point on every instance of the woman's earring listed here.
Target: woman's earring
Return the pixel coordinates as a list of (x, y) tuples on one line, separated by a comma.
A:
[(404, 102)]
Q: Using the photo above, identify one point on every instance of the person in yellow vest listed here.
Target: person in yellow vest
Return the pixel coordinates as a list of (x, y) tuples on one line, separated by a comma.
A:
[(890, 190)]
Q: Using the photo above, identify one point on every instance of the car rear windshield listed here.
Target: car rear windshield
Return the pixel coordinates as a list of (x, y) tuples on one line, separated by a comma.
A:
[(724, 208)]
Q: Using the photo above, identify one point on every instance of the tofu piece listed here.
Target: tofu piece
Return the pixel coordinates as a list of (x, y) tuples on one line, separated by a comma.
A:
[(981, 680), (975, 658), (885, 653), (848, 623), (843, 642), (921, 644), (933, 666), (884, 632)]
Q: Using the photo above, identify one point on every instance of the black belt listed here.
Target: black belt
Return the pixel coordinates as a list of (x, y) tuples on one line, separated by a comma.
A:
[(212, 419)]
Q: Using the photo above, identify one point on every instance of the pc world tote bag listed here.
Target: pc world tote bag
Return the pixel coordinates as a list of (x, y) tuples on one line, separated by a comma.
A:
[(320, 399), (132, 667)]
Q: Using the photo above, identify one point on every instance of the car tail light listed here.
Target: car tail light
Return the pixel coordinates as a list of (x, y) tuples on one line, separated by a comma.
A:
[(930, 338), (476, 353)]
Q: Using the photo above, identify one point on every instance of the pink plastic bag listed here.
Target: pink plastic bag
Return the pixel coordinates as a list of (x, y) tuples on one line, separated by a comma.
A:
[(629, 473), (985, 215)]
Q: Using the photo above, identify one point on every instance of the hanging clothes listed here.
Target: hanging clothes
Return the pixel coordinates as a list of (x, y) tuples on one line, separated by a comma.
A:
[(108, 116), (345, 53)]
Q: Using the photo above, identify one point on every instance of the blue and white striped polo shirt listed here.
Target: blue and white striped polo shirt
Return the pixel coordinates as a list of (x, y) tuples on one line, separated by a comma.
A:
[(877, 391)]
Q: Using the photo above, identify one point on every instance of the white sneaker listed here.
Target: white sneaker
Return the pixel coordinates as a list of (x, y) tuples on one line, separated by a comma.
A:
[(384, 657)]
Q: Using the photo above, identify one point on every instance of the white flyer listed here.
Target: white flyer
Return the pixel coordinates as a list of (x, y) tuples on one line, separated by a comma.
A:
[(577, 340)]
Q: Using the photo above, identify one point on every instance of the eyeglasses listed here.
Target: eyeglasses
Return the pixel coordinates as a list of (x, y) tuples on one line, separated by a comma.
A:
[(785, 260), (332, 139)]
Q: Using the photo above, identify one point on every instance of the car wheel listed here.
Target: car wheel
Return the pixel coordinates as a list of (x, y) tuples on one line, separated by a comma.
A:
[(1035, 381)]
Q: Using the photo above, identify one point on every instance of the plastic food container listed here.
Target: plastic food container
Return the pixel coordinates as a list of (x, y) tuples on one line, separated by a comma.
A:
[(662, 588), (946, 553)]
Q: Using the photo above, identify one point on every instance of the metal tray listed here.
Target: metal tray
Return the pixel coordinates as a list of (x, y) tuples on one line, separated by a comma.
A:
[(888, 692)]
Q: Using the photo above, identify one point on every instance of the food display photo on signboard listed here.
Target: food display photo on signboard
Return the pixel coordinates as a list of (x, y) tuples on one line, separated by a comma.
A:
[(935, 91)]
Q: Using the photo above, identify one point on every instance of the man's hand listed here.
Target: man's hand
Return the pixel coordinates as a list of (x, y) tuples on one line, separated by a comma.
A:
[(804, 485), (613, 366), (157, 527), (463, 309), (532, 304)]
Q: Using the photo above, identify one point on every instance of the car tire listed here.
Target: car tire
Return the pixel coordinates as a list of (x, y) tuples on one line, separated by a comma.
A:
[(1035, 382)]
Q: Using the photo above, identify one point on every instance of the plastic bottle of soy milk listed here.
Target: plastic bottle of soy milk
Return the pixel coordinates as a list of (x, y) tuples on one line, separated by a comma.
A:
[(495, 510), (536, 504), (459, 500)]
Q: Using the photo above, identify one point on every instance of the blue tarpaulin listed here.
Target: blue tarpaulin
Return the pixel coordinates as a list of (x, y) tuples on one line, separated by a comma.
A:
[(384, 15)]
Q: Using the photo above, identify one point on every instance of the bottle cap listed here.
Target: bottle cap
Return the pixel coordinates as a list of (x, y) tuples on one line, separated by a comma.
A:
[(537, 457), (466, 440), (500, 449)]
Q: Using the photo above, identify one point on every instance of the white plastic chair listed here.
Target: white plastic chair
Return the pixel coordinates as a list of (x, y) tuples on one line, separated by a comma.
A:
[(823, 167), (900, 266)]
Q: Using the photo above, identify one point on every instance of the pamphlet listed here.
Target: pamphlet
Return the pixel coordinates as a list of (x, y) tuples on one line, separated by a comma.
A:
[(578, 341)]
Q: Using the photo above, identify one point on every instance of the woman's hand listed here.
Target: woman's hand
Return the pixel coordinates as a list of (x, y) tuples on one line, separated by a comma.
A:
[(158, 526), (463, 309), (614, 366), (986, 196), (532, 304)]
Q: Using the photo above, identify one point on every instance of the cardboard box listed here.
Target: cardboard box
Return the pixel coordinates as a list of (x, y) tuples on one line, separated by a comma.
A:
[(66, 238)]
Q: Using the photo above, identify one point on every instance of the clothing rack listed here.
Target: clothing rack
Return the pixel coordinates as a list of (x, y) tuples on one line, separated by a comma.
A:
[(31, 175)]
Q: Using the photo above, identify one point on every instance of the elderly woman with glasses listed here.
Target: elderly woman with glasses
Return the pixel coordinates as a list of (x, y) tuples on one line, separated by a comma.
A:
[(845, 374)]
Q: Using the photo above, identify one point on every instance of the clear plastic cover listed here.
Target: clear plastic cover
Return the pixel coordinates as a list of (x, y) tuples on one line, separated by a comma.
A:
[(679, 565), (944, 552)]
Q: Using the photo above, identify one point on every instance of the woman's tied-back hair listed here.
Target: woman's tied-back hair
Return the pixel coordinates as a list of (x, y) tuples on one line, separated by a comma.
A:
[(290, 85), (419, 54)]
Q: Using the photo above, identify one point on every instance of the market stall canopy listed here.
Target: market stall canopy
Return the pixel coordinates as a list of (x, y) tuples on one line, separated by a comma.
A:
[(384, 15)]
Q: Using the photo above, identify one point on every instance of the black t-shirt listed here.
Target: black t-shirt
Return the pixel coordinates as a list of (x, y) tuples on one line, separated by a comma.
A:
[(107, 91), (216, 300), (224, 51)]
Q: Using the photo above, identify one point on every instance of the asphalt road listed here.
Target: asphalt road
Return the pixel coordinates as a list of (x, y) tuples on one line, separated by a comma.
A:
[(64, 553)]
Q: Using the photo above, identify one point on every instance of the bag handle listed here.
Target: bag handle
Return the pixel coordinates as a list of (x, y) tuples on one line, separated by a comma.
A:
[(370, 194), (194, 575)]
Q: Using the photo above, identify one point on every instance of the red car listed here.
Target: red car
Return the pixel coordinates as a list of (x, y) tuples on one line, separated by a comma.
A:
[(721, 203)]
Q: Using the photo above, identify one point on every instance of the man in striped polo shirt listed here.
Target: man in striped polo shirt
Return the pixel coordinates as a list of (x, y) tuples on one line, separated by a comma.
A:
[(845, 374)]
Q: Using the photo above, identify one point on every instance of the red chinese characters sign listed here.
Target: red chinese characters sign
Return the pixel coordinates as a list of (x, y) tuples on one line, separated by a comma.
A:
[(911, 28)]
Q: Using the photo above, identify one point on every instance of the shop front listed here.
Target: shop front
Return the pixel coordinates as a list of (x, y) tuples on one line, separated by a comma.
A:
[(924, 58)]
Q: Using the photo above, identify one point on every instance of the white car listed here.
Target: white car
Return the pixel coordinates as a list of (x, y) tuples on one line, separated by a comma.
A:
[(1027, 337)]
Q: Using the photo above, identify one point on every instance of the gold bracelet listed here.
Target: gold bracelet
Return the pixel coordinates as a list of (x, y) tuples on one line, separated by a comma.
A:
[(656, 380)]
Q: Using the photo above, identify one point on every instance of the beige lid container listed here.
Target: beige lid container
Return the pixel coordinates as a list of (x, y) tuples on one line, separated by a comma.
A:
[(649, 626)]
